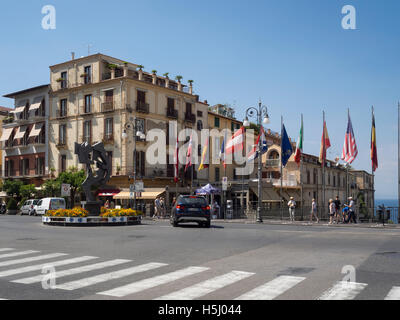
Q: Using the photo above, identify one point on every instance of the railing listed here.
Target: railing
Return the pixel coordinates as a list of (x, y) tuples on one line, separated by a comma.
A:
[(107, 107), (172, 113), (62, 144), (285, 182), (142, 107), (62, 114), (272, 163), (190, 117), (108, 139)]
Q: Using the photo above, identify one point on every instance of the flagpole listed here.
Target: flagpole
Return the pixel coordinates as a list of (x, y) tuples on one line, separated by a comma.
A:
[(301, 172), (373, 176), (323, 163), (281, 206)]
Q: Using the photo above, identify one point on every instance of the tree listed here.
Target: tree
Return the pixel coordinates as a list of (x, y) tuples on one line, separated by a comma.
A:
[(28, 190), (51, 188), (13, 187), (74, 178)]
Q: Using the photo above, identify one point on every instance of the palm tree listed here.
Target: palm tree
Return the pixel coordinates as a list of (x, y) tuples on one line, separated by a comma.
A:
[(190, 82), (166, 75), (154, 71), (179, 78), (140, 67)]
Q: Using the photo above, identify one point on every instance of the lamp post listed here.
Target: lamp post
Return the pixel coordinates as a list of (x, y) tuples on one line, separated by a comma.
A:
[(262, 118), (133, 126)]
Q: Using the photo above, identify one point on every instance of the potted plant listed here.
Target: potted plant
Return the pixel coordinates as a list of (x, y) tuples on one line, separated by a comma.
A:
[(154, 72), (59, 79), (112, 66), (12, 207), (166, 75), (83, 75), (140, 67), (179, 78), (118, 169)]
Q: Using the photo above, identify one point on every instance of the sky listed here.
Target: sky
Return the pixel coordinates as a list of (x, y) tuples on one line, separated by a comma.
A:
[(294, 55)]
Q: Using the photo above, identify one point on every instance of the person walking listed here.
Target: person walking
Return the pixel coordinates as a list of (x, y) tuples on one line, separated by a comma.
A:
[(332, 211), (352, 213), (337, 207), (157, 208), (314, 211), (162, 207), (292, 207)]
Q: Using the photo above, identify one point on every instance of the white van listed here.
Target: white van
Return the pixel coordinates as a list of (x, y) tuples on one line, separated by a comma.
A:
[(49, 204), (29, 207)]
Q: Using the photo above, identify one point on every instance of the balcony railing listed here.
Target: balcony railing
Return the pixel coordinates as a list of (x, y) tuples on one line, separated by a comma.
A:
[(172, 113), (142, 107), (190, 117), (62, 144), (107, 106), (108, 139), (62, 113), (273, 163)]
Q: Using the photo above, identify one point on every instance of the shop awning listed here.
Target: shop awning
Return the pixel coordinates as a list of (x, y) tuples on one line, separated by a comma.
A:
[(108, 193), (148, 194), (37, 128), (6, 134), (37, 102), (20, 132)]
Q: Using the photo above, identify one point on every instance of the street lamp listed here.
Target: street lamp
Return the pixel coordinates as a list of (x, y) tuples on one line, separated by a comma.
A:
[(133, 126), (262, 118)]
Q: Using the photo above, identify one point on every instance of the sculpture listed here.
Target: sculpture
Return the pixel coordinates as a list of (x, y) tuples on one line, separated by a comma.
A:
[(93, 155)]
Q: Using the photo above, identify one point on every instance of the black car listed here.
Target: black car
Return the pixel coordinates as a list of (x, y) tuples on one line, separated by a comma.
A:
[(191, 209)]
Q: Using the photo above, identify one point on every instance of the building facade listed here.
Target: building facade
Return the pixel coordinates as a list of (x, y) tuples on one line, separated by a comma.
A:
[(24, 140)]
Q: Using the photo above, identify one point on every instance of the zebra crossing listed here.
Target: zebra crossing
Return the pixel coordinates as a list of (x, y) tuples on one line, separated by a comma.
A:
[(90, 271)]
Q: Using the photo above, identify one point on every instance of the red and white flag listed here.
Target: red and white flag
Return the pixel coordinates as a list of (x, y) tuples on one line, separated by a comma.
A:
[(236, 142), (350, 151), (176, 161)]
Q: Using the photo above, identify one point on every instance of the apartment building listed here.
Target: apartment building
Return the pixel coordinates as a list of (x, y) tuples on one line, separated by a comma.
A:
[(24, 138), (100, 98)]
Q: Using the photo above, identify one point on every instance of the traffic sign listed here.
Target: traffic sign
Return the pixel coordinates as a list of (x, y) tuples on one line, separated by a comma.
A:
[(65, 190)]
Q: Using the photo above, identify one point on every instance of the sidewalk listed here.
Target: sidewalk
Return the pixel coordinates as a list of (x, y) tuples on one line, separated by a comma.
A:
[(313, 224)]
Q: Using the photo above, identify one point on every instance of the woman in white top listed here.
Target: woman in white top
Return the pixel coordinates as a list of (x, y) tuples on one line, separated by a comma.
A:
[(332, 211)]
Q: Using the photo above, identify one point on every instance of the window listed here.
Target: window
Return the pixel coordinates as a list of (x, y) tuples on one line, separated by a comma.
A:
[(217, 175), (88, 75), (171, 103), (64, 80), (87, 131), (141, 96), (140, 126), (26, 167), (216, 122), (199, 113), (109, 96), (108, 129), (39, 166), (109, 156), (199, 125), (63, 163), (308, 177), (63, 108), (88, 103), (62, 134), (140, 163), (188, 108)]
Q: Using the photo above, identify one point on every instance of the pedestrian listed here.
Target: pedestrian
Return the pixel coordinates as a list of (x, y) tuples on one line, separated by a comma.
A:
[(162, 207), (345, 213), (292, 207), (332, 211), (337, 207), (314, 211), (157, 208), (352, 213), (216, 209), (107, 204)]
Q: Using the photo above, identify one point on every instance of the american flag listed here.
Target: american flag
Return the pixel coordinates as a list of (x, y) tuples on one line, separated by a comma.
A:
[(350, 151)]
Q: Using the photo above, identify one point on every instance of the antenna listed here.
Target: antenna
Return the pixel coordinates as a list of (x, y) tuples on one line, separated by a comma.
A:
[(89, 45)]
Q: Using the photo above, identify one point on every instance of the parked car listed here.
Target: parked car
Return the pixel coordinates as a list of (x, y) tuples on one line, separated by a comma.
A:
[(29, 207), (191, 209), (49, 204)]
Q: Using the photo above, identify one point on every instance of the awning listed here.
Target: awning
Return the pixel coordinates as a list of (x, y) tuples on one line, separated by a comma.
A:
[(6, 134), (18, 109), (20, 132), (148, 194), (37, 102), (108, 193), (37, 128)]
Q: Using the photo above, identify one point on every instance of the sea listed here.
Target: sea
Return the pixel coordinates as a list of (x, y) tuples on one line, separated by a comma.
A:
[(387, 202)]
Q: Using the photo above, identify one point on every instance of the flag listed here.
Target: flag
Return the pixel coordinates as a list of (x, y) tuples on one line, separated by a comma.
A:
[(236, 142), (299, 145), (222, 153), (253, 154), (286, 147), (374, 153), (176, 161), (325, 145), (350, 151), (189, 154), (203, 165)]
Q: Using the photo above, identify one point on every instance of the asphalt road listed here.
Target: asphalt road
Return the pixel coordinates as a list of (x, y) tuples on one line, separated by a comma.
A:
[(226, 262)]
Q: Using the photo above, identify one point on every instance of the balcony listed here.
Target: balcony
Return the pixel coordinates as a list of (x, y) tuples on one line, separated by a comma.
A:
[(190, 117), (61, 114), (107, 106), (142, 107), (108, 139), (273, 163), (172, 113), (62, 144)]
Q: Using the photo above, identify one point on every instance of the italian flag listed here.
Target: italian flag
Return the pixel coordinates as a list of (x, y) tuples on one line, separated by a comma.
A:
[(299, 145)]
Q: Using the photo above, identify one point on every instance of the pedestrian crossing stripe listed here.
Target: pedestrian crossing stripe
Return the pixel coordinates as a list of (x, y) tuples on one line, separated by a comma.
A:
[(13, 272), (272, 289), (15, 254), (206, 287), (394, 294), (73, 271), (343, 290), (152, 282), (85, 282), (25, 260)]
